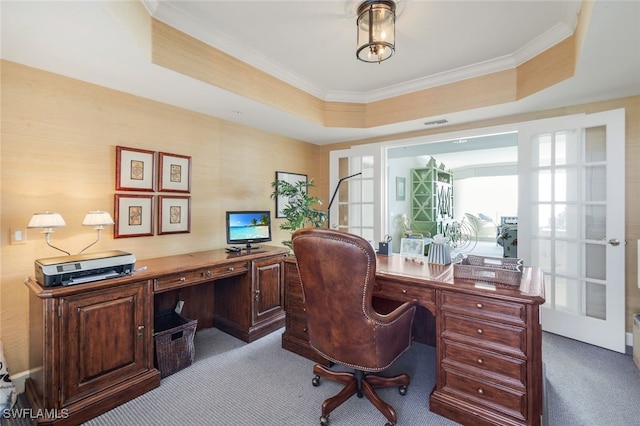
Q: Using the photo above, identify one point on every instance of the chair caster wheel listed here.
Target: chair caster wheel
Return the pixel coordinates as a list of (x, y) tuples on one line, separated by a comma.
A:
[(324, 420), (315, 381), (402, 390)]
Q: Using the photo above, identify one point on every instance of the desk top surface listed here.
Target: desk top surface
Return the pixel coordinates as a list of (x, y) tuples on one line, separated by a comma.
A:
[(398, 268), (147, 269)]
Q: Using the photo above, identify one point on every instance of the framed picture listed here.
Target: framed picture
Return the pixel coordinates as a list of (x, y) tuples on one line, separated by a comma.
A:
[(174, 173), (174, 214), (135, 169), (292, 178), (400, 189), (133, 216), (412, 247)]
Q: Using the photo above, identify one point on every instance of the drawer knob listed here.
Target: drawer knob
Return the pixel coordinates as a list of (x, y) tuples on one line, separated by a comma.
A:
[(480, 391), (480, 361), (231, 269), (304, 329), (182, 279), (480, 331), (404, 291), (479, 305)]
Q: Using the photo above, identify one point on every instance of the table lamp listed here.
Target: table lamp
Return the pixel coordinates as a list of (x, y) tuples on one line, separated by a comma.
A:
[(47, 221), (98, 219)]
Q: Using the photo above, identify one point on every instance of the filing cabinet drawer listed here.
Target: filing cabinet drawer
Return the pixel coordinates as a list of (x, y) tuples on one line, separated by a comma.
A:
[(196, 276), (496, 367), (512, 402), (484, 307), (489, 335), (398, 291)]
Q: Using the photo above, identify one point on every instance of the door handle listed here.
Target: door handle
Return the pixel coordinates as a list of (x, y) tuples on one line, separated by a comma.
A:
[(613, 242)]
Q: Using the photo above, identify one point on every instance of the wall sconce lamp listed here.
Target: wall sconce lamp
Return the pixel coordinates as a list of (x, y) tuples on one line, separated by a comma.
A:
[(48, 221), (376, 30), (98, 219)]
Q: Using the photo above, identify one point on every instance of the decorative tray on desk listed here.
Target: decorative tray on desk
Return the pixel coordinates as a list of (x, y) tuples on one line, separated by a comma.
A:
[(492, 269)]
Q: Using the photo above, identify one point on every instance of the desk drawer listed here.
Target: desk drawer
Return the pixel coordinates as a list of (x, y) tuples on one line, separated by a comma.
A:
[(297, 327), (496, 367), (228, 270), (398, 291), (512, 402), (484, 307), (486, 334), (294, 304), (196, 276)]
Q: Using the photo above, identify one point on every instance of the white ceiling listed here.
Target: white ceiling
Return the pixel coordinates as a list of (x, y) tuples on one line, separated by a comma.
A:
[(311, 44)]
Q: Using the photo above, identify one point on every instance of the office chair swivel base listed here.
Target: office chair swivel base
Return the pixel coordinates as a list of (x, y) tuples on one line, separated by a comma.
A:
[(361, 384)]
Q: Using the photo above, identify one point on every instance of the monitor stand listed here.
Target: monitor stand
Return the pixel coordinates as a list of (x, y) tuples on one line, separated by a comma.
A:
[(249, 247)]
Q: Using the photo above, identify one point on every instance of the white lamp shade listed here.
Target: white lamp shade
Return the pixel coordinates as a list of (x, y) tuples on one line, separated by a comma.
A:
[(46, 220), (98, 218)]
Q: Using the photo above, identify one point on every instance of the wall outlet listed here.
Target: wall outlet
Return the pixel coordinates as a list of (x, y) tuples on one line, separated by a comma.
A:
[(18, 235)]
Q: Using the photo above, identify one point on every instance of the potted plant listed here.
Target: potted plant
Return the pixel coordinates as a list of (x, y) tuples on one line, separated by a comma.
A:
[(299, 211)]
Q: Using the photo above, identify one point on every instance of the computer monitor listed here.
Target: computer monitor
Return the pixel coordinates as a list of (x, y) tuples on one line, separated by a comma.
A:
[(247, 227)]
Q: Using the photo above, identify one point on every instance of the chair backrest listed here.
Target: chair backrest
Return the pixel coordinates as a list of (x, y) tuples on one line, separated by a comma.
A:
[(337, 271)]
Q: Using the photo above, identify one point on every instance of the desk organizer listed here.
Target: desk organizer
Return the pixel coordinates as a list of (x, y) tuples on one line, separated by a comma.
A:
[(173, 338), (492, 269)]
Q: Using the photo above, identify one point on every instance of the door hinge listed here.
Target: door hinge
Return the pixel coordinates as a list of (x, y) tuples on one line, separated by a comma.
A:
[(60, 311), (59, 397)]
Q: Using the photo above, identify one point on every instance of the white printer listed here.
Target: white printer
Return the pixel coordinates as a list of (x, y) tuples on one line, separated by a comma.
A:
[(83, 268)]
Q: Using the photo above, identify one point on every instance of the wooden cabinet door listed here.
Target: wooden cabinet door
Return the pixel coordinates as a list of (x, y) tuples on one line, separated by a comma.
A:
[(104, 339), (268, 290)]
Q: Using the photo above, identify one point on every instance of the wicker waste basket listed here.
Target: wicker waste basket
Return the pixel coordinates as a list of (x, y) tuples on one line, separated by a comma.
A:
[(173, 336)]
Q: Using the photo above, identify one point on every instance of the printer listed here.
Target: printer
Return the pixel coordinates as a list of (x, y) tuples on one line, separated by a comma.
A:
[(83, 268)]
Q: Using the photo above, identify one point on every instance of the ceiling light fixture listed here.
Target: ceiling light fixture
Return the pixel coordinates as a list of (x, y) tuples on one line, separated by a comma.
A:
[(376, 30)]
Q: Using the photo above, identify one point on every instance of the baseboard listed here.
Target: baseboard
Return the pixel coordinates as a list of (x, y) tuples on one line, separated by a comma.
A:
[(629, 343), (20, 378)]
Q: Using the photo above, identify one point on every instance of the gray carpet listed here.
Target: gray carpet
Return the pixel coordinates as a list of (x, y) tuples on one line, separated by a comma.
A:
[(234, 383)]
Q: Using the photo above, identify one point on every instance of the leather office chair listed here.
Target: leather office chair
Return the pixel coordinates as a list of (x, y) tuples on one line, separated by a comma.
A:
[(337, 271)]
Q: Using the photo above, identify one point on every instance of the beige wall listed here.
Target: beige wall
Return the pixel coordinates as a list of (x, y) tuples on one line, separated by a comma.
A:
[(58, 153)]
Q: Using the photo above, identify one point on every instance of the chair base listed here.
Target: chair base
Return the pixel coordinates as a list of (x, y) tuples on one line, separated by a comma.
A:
[(360, 383)]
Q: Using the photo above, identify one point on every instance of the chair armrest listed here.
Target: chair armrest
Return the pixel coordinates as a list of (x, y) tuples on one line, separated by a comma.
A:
[(406, 309)]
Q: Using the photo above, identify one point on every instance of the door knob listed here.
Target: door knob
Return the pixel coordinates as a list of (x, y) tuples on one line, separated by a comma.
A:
[(613, 242)]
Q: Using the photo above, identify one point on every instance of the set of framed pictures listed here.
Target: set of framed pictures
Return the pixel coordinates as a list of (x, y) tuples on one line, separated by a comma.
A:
[(136, 171)]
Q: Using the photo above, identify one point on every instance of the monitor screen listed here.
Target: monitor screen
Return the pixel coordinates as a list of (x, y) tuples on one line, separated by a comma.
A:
[(246, 227)]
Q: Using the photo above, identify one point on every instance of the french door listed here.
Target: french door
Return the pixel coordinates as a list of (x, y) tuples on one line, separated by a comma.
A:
[(355, 177), (571, 222)]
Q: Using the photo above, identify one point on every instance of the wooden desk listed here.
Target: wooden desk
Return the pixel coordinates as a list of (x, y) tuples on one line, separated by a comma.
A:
[(91, 345), (488, 338)]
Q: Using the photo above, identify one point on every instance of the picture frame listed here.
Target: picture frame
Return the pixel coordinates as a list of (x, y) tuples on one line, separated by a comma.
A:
[(174, 173), (412, 248), (135, 169), (401, 189), (133, 215), (292, 178), (174, 214)]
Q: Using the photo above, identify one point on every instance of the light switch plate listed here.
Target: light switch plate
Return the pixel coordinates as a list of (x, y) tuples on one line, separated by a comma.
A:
[(18, 235)]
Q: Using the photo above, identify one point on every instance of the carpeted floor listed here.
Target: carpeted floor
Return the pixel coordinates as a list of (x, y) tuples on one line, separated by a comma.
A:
[(234, 383)]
